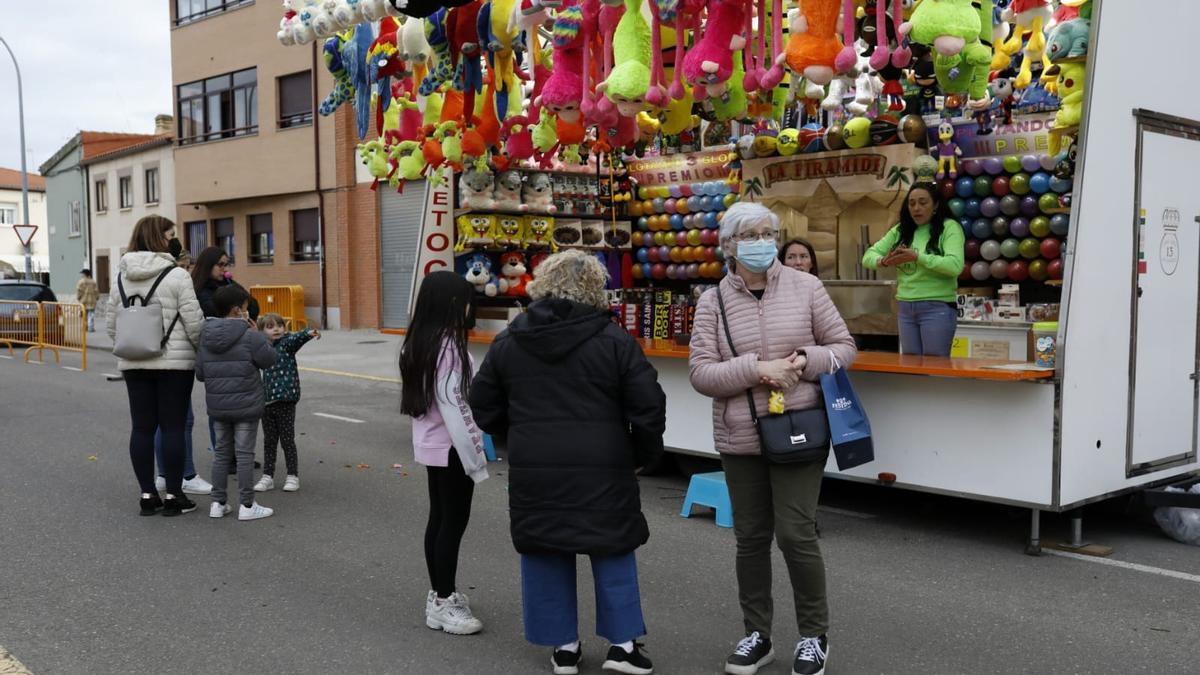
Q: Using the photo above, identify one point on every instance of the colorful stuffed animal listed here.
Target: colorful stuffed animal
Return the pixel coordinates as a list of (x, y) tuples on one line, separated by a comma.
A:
[(462, 33), (475, 189), (476, 230), (562, 93), (507, 192), (947, 151), (435, 35), (957, 32), (479, 273), (409, 161), (510, 230), (539, 232), (1068, 40), (374, 155), (629, 80), (518, 139), (514, 271), (813, 46), (538, 193), (1030, 16), (415, 48), (343, 88), (709, 64), (1071, 80)]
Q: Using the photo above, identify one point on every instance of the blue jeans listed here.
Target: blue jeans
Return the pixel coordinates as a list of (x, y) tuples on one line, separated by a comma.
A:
[(927, 327), (551, 608), (189, 467)]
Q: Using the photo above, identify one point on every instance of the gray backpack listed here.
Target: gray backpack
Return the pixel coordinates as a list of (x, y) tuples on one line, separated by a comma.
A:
[(140, 335)]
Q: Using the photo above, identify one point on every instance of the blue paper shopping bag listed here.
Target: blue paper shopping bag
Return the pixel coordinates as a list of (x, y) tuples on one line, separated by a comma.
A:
[(849, 429)]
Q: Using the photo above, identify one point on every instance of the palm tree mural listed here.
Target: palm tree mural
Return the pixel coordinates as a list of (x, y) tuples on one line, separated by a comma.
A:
[(898, 177), (752, 188)]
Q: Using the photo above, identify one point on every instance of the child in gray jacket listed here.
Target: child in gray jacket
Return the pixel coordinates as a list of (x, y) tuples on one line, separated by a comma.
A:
[(230, 357)]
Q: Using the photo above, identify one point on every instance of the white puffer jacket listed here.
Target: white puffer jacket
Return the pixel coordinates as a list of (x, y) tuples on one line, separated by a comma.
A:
[(175, 294)]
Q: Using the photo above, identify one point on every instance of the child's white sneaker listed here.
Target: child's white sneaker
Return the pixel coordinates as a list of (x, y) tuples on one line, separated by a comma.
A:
[(453, 615), (218, 510), (253, 512), (196, 486), (265, 483), (291, 484)]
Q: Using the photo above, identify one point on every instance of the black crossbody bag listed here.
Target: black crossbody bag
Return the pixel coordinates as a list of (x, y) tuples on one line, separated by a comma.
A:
[(794, 436)]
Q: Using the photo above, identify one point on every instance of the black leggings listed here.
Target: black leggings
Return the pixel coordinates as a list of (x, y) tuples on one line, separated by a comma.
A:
[(279, 428), (158, 399), (450, 493)]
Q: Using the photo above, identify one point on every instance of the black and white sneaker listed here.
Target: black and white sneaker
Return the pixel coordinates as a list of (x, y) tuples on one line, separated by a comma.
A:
[(175, 505), (566, 662), (150, 503), (753, 652), (634, 663), (810, 656)]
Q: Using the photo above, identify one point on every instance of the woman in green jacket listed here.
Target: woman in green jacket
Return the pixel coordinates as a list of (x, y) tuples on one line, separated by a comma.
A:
[(926, 248)]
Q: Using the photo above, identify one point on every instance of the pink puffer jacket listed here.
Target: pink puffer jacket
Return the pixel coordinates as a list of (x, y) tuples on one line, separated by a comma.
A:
[(794, 313)]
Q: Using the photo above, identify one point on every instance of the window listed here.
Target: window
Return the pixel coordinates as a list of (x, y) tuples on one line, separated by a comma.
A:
[(224, 106), (101, 196), (295, 100), (8, 214), (223, 236), (197, 237), (152, 186), (187, 11), (76, 222), (306, 240), (125, 187), (262, 238)]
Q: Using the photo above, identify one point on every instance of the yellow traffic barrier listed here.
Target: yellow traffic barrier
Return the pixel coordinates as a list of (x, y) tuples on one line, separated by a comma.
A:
[(40, 326), (286, 301)]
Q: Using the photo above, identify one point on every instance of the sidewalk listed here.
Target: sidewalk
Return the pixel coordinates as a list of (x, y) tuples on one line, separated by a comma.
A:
[(366, 354)]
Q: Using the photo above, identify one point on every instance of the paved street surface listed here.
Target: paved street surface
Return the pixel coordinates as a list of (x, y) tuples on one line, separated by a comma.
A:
[(335, 582)]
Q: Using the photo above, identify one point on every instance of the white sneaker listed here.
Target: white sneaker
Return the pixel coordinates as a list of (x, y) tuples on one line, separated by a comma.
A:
[(160, 484), (453, 615), (291, 484), (254, 512), (218, 510), (197, 486), (429, 599), (265, 483)]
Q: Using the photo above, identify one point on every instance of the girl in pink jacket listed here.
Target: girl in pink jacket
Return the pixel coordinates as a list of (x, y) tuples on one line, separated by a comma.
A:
[(787, 333)]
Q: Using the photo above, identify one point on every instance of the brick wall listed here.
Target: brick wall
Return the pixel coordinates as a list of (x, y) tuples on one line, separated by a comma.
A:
[(354, 222)]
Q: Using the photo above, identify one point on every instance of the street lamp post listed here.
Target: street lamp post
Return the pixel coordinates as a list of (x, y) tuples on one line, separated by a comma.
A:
[(24, 173)]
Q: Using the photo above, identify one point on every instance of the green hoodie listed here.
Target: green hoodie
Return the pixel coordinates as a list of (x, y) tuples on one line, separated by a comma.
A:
[(933, 276)]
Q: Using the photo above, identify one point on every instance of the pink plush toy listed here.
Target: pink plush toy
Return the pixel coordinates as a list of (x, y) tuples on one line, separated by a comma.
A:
[(610, 16), (562, 93), (774, 75), (709, 65), (518, 135), (687, 18), (656, 95), (847, 59)]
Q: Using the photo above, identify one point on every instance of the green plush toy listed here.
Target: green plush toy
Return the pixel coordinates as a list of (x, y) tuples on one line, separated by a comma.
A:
[(733, 105), (629, 80), (957, 30)]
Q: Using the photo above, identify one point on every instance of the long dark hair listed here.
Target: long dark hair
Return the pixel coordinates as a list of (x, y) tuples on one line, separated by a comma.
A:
[(205, 262), (812, 253), (937, 222), (445, 311)]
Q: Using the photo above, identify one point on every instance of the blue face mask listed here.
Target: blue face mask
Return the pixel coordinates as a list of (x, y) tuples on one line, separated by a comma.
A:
[(756, 256)]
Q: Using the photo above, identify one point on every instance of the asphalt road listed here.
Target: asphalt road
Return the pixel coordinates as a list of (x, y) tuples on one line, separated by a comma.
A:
[(335, 582)]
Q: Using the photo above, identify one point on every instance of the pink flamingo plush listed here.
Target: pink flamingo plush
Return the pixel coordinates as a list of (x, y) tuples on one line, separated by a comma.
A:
[(709, 65)]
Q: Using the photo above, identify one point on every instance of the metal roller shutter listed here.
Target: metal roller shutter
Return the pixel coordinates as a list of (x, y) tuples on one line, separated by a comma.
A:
[(400, 232)]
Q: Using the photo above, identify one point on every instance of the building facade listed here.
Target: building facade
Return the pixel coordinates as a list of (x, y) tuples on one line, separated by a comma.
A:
[(12, 212), (125, 185)]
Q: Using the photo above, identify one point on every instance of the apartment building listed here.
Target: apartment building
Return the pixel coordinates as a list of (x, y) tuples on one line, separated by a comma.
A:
[(12, 212)]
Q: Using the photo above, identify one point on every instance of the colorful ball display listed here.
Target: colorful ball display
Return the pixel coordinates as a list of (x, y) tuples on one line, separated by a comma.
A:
[(957, 206), (1031, 163), (911, 129), (1010, 205), (1061, 185), (1030, 248), (1012, 164), (981, 271), (1000, 186), (973, 205), (1019, 227), (999, 226), (971, 249), (989, 250), (1051, 248), (946, 189), (993, 166), (1019, 184), (857, 133), (999, 269), (964, 187), (1060, 224), (1040, 183), (1039, 227), (1054, 269), (693, 237), (989, 207), (981, 229), (1029, 206), (1010, 248), (1038, 270), (1048, 203), (983, 186), (635, 209), (1018, 270), (972, 167)]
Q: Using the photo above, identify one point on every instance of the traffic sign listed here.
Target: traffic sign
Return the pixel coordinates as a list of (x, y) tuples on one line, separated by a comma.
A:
[(25, 233)]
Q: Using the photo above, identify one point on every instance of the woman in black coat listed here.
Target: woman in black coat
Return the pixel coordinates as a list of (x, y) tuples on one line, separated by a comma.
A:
[(581, 409), (211, 272)]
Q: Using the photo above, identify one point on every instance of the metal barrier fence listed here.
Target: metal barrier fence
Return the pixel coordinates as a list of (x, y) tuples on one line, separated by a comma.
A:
[(286, 301), (41, 326)]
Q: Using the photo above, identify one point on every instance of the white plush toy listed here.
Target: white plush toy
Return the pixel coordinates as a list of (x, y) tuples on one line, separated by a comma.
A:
[(538, 194), (416, 49), (476, 189), (372, 10), (507, 193)]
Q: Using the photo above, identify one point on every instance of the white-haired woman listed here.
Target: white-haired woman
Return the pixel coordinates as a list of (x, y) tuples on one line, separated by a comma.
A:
[(786, 333), (581, 409)]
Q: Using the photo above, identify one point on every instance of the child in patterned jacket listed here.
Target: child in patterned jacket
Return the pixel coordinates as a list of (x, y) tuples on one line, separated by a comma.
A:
[(282, 385)]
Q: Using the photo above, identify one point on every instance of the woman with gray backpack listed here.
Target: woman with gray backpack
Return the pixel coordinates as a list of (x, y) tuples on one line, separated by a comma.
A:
[(154, 321)]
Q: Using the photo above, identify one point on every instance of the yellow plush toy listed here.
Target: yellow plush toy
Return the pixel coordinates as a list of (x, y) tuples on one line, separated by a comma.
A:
[(475, 230)]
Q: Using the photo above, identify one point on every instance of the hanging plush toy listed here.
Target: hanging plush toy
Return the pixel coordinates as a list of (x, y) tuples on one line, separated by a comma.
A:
[(661, 11), (957, 32), (1072, 77), (374, 155), (709, 65), (629, 80), (442, 70), (415, 47), (518, 138), (813, 46), (462, 33), (409, 163), (343, 88), (734, 104), (563, 91), (1068, 40), (503, 37), (1032, 17), (609, 18), (383, 59)]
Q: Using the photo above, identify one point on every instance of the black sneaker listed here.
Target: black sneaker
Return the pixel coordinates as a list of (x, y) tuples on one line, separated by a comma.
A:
[(175, 505), (150, 503), (634, 663), (810, 656), (753, 652), (566, 662)]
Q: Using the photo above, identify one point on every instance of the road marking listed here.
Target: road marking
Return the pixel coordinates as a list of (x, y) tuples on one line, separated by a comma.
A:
[(78, 370), (1184, 576), (9, 665), (339, 417), (342, 373), (847, 512), (5, 356)]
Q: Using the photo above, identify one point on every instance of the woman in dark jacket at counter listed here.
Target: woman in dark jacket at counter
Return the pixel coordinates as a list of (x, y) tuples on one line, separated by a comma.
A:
[(582, 409), (211, 272)]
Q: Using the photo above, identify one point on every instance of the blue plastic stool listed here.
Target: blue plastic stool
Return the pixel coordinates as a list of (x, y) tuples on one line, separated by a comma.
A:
[(709, 489), (489, 448)]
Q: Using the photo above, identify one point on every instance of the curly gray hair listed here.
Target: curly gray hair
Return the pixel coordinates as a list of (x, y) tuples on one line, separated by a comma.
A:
[(571, 275)]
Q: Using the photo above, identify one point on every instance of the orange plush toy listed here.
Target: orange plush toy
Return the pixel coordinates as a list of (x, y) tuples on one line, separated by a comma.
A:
[(814, 46)]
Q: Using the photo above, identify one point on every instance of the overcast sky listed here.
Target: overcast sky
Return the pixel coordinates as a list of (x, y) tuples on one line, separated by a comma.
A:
[(96, 66)]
